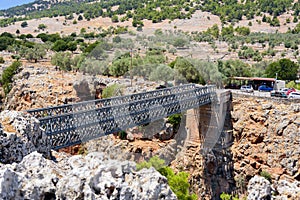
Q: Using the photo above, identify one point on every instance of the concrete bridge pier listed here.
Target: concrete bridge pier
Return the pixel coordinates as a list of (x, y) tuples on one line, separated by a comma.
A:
[(209, 127), (206, 123)]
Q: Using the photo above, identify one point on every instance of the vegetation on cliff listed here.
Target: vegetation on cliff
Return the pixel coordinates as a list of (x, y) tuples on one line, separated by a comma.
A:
[(7, 76), (178, 182)]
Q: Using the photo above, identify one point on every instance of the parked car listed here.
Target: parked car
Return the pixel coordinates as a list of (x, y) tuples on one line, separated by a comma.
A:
[(285, 90), (294, 95), (265, 88), (246, 88), (290, 90), (278, 94)]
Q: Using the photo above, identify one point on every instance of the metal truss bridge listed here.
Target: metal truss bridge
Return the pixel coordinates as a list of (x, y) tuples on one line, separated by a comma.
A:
[(71, 124)]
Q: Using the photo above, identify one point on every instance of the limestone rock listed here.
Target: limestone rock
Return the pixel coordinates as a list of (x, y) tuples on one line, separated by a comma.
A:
[(267, 106), (259, 188), (8, 183), (288, 189), (81, 177), (20, 136), (266, 139), (83, 90), (282, 125)]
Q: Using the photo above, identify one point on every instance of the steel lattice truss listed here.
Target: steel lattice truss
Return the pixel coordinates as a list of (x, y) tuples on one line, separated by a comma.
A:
[(72, 124)]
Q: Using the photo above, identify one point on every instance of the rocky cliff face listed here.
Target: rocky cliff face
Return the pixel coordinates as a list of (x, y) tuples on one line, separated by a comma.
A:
[(267, 138), (27, 174), (139, 144)]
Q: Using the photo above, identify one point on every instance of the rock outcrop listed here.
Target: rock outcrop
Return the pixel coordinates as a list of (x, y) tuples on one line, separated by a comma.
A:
[(266, 138), (43, 86), (93, 176), (259, 188), (40, 86), (20, 135)]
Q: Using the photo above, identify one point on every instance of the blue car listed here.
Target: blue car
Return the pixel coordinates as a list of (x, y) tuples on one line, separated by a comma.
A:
[(265, 88)]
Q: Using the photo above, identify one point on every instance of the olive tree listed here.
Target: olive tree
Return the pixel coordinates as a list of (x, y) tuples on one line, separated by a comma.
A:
[(162, 73)]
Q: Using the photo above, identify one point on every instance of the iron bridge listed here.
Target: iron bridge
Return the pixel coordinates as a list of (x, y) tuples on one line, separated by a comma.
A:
[(71, 124)]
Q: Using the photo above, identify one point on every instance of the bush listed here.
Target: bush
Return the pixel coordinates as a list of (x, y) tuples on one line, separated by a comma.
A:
[(112, 90), (122, 135), (24, 24), (2, 60), (292, 84), (225, 196), (155, 162), (266, 175), (177, 182), (175, 120), (8, 74)]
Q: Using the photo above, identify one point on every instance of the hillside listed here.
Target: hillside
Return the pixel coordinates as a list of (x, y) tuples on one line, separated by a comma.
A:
[(229, 11), (211, 30)]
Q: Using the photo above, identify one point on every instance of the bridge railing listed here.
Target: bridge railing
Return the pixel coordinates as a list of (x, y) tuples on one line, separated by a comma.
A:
[(74, 127), (87, 105)]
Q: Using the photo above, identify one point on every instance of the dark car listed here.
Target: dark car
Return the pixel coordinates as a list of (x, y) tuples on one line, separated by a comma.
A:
[(265, 88)]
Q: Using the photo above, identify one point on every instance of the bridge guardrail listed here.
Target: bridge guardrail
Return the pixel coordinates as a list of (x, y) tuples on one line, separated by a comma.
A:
[(92, 104)]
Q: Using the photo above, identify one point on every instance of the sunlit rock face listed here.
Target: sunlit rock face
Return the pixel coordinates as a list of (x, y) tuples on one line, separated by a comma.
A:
[(80, 177)]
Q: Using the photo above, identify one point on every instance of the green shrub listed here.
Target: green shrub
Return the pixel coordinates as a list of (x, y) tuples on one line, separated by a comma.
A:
[(175, 120), (8, 74), (177, 182), (111, 91), (225, 196), (2, 60), (82, 150), (292, 84), (122, 135), (155, 162), (266, 175)]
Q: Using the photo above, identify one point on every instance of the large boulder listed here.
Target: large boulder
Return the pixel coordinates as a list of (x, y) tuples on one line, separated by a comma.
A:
[(83, 90), (259, 188)]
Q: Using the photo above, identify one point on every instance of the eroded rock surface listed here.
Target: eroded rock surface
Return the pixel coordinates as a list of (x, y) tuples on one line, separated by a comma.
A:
[(267, 138), (93, 176), (42, 86), (20, 135)]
